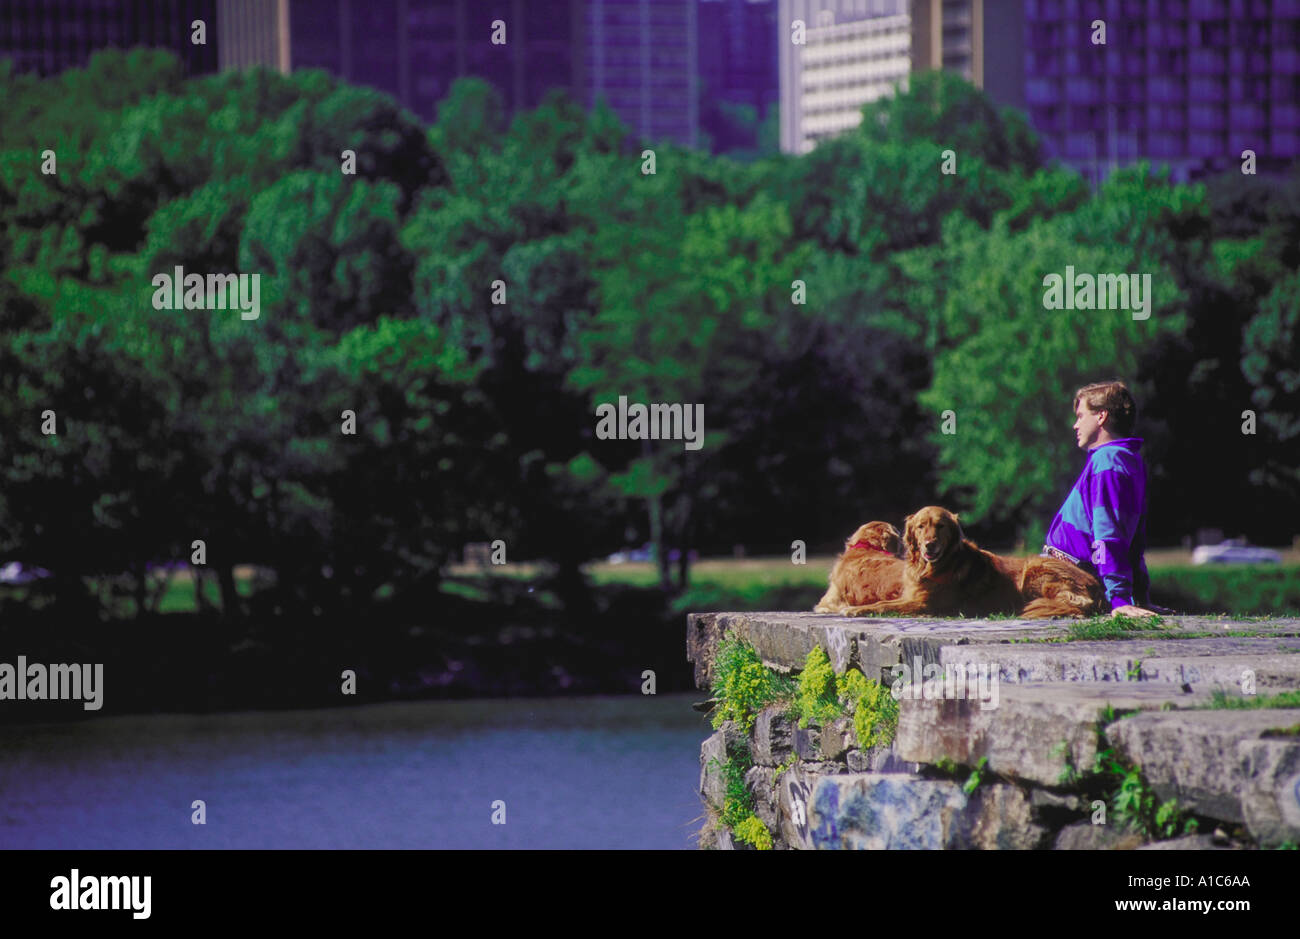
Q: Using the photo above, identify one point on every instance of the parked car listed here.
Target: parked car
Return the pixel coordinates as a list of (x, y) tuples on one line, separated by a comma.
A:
[(642, 553), (1234, 551), (16, 572)]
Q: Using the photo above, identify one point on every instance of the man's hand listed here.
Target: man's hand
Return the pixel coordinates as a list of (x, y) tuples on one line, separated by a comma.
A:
[(1135, 611)]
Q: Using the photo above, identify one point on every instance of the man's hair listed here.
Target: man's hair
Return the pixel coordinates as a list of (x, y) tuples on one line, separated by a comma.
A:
[(1115, 399)]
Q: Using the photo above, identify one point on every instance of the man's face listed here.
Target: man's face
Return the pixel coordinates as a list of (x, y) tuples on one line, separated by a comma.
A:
[(1088, 425)]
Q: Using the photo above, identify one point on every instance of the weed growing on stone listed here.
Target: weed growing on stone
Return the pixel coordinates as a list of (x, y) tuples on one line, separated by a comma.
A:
[(945, 765), (752, 831), (976, 776), (817, 698), (1134, 672), (875, 712), (1223, 700), (1070, 774), (738, 802), (743, 685), (823, 696), (1133, 801)]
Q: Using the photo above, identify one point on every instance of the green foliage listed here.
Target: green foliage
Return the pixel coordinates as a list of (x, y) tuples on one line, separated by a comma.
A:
[(1070, 774), (822, 696), (738, 802), (1242, 590), (752, 831), (875, 711), (817, 698), (743, 685), (1132, 801), (923, 294), (976, 776)]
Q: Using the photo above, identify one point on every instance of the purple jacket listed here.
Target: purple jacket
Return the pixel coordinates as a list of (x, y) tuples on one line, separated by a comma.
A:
[(1103, 523)]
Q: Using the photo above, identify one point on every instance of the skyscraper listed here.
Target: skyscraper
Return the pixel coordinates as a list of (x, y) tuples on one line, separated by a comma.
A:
[(44, 37), (852, 52), (1188, 83), (737, 67), (639, 55)]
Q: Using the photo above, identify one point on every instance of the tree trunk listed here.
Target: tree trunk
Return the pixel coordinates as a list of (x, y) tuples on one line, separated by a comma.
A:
[(229, 595), (201, 604), (657, 535)]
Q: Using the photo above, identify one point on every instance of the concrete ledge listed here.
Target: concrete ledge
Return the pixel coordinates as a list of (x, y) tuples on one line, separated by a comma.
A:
[(1034, 720)]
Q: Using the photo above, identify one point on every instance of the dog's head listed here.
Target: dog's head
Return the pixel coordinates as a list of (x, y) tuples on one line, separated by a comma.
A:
[(931, 534), (879, 535)]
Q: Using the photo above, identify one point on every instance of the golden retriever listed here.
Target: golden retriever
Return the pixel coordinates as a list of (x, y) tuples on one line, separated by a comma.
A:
[(1052, 587), (946, 574), (869, 570)]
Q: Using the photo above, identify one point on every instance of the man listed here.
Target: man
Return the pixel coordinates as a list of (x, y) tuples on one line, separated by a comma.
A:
[(1102, 525)]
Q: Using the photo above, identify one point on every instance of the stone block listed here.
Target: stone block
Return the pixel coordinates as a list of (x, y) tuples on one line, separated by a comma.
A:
[(1271, 798), (837, 737), (876, 811), (1029, 735), (713, 754), (1195, 756), (773, 737), (1085, 836)]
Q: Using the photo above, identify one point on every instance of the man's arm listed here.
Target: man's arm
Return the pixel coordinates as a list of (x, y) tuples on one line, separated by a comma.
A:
[(1113, 496)]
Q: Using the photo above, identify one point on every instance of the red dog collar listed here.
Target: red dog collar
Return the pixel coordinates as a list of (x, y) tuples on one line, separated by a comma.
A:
[(863, 544)]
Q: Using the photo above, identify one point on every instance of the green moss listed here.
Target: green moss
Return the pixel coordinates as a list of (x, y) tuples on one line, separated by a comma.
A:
[(743, 685)]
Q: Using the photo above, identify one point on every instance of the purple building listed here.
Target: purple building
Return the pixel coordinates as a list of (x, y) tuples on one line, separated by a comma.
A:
[(46, 37), (639, 55), (1188, 83), (738, 64)]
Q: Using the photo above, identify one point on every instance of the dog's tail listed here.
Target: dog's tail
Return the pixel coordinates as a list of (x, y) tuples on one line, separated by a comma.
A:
[(1044, 608)]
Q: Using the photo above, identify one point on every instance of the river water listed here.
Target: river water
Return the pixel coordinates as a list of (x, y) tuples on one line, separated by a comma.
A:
[(601, 772)]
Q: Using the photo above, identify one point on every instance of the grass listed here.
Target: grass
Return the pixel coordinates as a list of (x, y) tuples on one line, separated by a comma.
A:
[(1112, 627), (1222, 700)]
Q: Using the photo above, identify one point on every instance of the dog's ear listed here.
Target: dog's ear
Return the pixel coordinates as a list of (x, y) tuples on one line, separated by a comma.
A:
[(909, 541), (957, 520)]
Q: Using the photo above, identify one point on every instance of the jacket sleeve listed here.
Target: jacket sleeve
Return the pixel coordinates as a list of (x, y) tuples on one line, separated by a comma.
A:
[(1113, 495)]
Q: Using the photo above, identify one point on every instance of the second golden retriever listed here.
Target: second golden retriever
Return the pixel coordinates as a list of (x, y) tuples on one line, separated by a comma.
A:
[(869, 570)]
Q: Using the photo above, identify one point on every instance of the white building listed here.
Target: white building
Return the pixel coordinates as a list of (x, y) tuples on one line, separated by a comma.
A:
[(855, 51)]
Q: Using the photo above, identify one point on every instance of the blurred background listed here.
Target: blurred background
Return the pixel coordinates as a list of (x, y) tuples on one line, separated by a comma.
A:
[(797, 263)]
